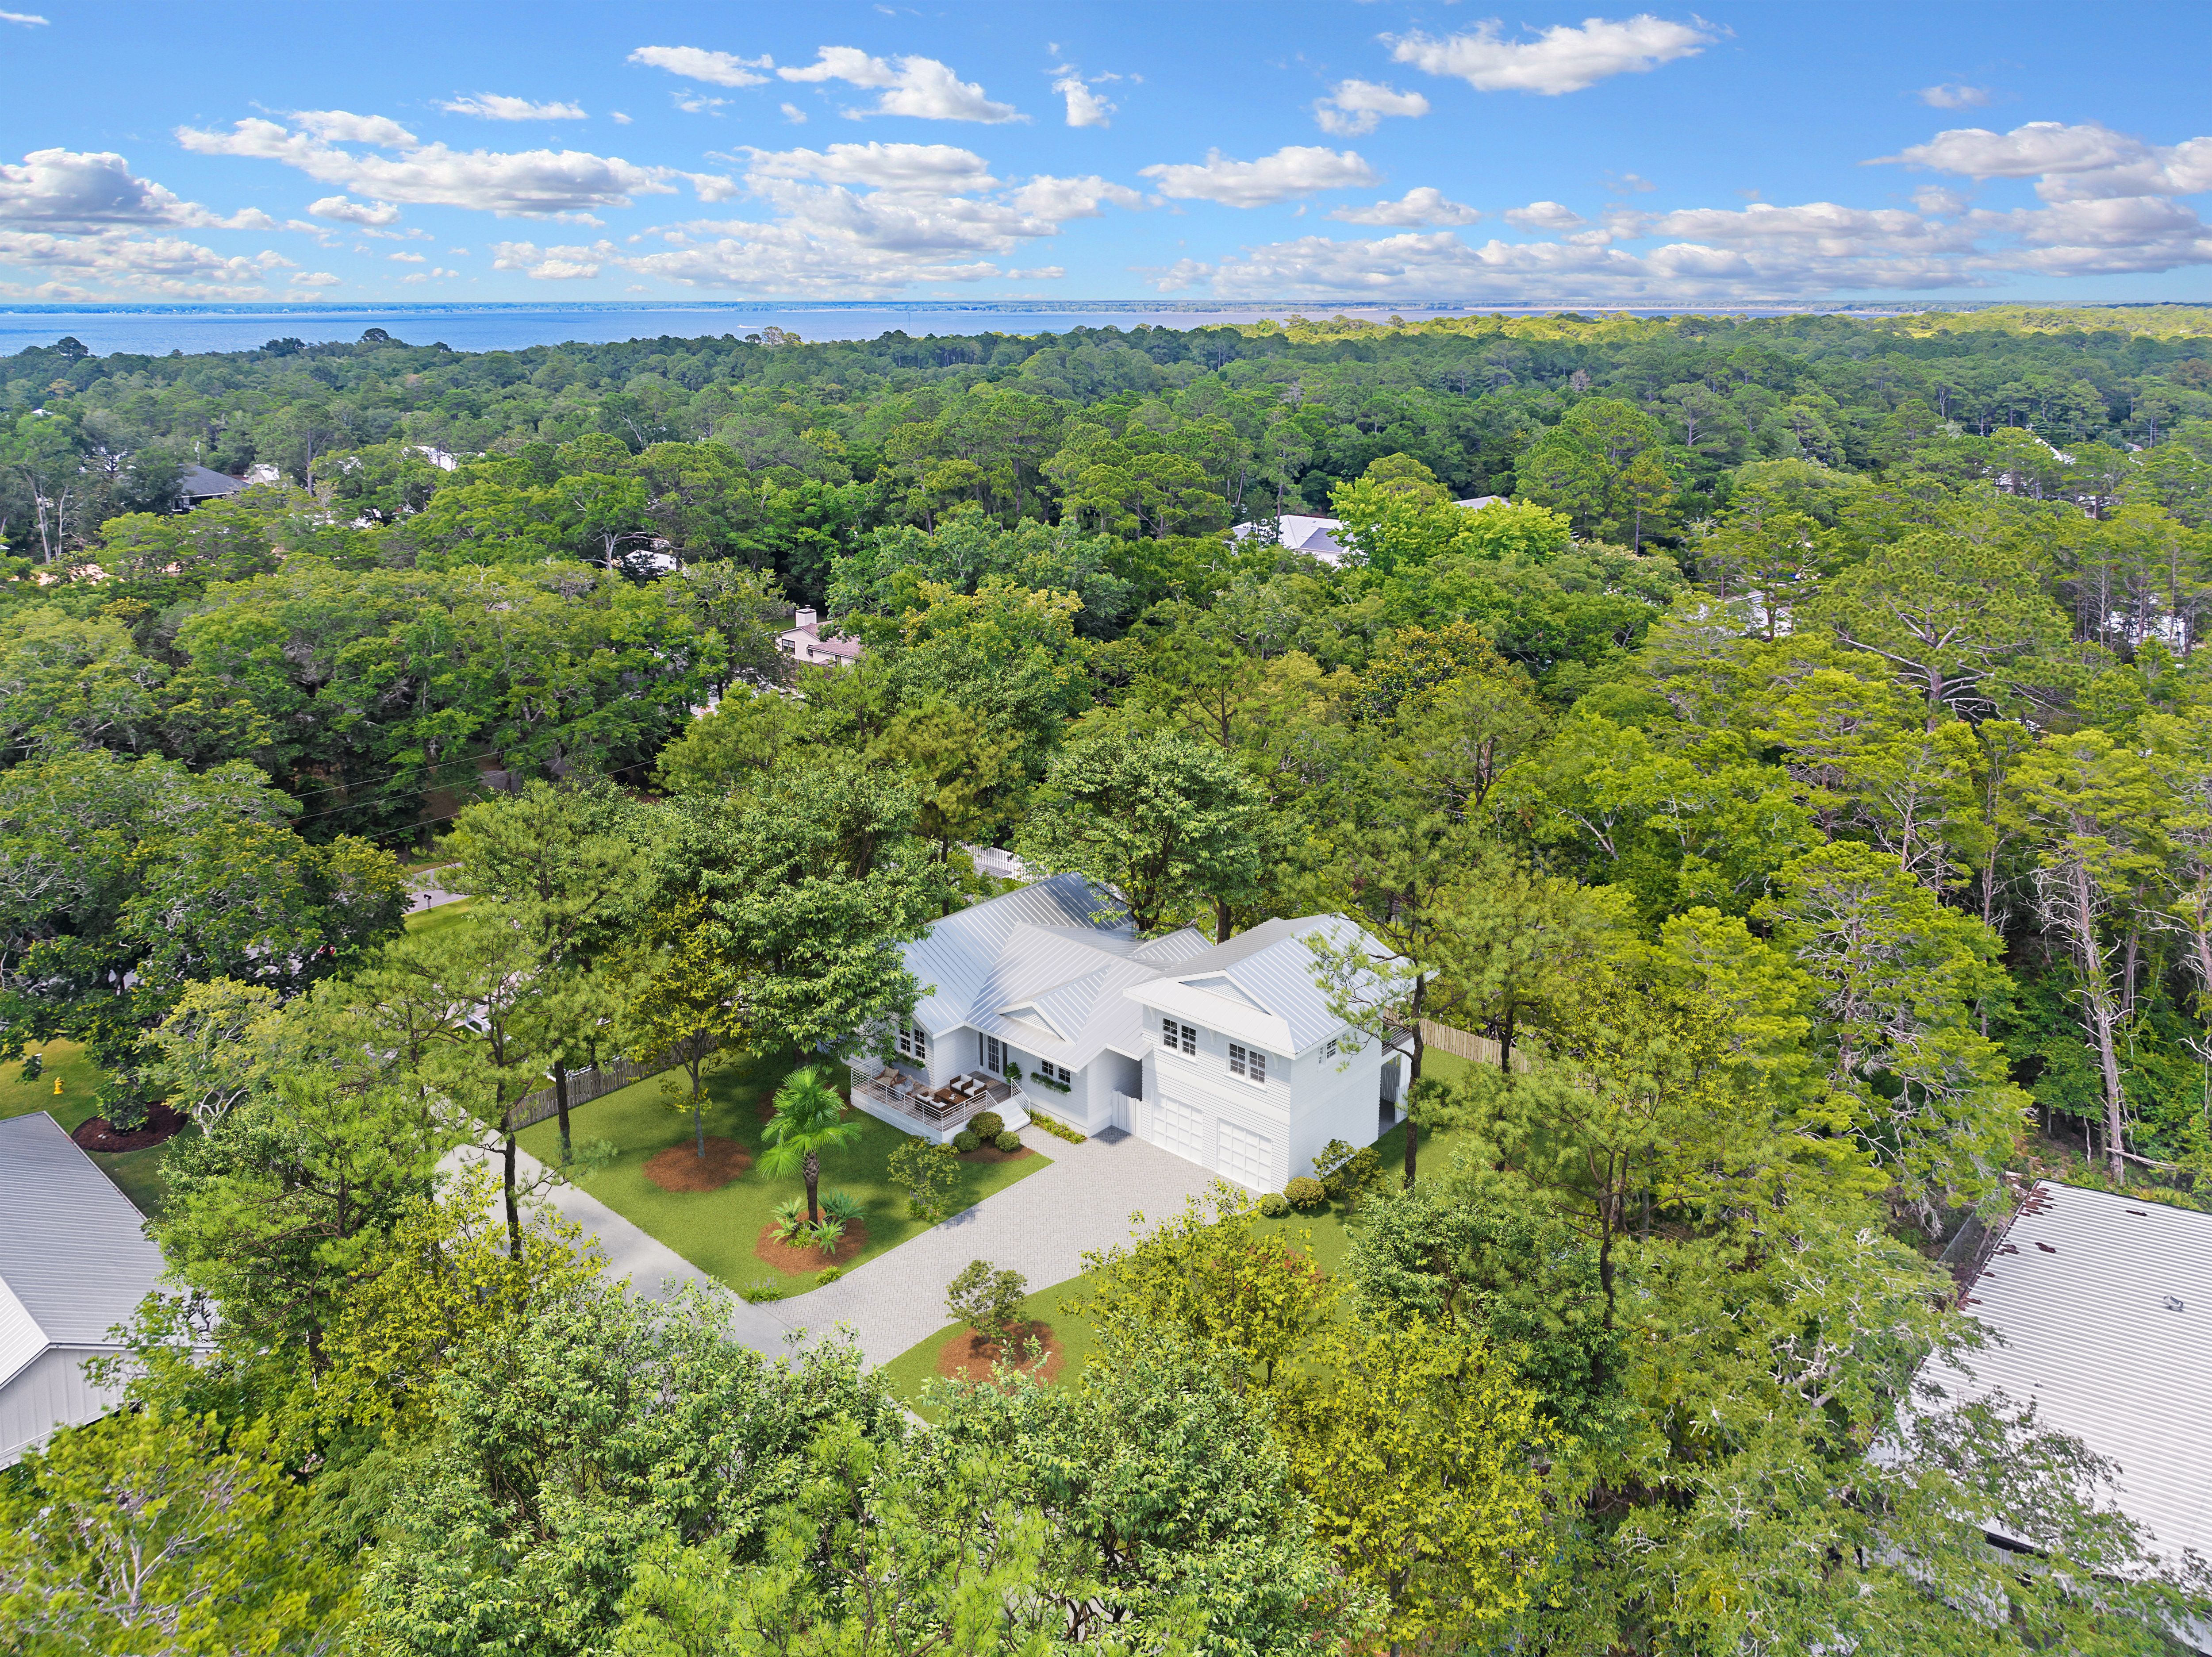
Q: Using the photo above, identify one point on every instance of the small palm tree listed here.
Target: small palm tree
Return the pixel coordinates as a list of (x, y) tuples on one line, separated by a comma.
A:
[(807, 1123)]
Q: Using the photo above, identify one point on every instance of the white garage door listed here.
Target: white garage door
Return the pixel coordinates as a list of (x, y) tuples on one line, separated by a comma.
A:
[(1179, 1128), (1247, 1157)]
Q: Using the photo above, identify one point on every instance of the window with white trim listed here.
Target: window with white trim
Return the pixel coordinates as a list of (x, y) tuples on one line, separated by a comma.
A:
[(1329, 1052), (1054, 1072), (914, 1041), (1174, 1035), (1250, 1064)]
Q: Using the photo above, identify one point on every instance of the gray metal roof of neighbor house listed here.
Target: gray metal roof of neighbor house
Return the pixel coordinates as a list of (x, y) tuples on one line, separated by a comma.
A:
[(75, 1258), (2102, 1309), (197, 483)]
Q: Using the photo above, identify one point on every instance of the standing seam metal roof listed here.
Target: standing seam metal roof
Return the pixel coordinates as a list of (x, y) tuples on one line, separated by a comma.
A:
[(2104, 1309), (74, 1253)]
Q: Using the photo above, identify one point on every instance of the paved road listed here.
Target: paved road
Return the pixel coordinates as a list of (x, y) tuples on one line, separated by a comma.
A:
[(1041, 1227)]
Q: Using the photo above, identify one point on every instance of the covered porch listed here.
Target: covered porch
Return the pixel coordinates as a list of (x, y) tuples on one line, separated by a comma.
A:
[(907, 1100)]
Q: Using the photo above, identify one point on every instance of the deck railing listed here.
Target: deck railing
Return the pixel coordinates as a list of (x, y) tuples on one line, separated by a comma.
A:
[(911, 1097)]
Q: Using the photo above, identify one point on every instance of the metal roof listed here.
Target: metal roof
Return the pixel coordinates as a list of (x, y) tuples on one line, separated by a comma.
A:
[(1271, 969), (199, 483), (2102, 1310), (75, 1258), (955, 957)]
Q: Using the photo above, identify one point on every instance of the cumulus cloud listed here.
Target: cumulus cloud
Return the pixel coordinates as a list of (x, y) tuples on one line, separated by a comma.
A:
[(1353, 107), (343, 212), (313, 279), (434, 273), (1294, 170), (1416, 208), (920, 87), (1954, 96), (1544, 216), (853, 220), (78, 189), (109, 260), (497, 106), (698, 63), (1562, 59), (528, 184), (1084, 107), (551, 264), (2085, 161), (938, 168)]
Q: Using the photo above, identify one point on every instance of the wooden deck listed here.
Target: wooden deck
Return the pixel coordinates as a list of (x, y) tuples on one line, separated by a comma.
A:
[(945, 1111)]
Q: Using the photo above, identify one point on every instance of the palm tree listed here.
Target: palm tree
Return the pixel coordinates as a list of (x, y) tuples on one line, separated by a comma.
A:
[(805, 1124)]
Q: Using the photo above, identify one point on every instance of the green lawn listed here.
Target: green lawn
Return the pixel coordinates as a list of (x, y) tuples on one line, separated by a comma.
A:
[(1324, 1235), (136, 1174), (716, 1231), (429, 920)]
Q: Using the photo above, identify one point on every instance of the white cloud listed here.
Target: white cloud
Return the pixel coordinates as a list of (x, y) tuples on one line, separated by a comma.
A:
[(343, 126), (534, 183), (619, 117), (1562, 59), (407, 259), (1353, 107), (432, 274), (794, 113), (697, 103), (921, 87), (354, 212), (2086, 161), (1544, 216), (1039, 273), (1423, 206), (551, 264), (1935, 198), (1954, 96), (1058, 199), (313, 279), (697, 63), (81, 190), (940, 168), (1084, 107), (1294, 170), (109, 260), (28, 19), (497, 106)]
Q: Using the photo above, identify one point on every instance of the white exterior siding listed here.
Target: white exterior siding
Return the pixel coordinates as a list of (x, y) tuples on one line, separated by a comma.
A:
[(1334, 1103), (1197, 1096), (48, 1393)]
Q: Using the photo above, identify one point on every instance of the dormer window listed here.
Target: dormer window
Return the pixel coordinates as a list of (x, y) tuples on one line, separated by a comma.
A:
[(1174, 1035)]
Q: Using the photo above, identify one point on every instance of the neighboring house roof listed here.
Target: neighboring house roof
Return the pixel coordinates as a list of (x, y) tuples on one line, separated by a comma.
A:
[(1260, 985), (2102, 1308), (75, 1261), (197, 483), (807, 644), (1298, 532)]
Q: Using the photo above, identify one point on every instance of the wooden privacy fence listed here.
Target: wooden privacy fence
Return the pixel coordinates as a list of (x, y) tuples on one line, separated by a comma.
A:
[(1476, 1050), (583, 1086)]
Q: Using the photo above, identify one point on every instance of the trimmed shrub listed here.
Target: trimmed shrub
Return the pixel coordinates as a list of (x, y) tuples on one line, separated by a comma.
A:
[(1275, 1205), (987, 1301), (1304, 1195), (965, 1141), (1008, 1142), (989, 1125)]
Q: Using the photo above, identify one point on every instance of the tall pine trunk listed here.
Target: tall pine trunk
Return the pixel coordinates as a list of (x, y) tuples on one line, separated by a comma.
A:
[(561, 1098)]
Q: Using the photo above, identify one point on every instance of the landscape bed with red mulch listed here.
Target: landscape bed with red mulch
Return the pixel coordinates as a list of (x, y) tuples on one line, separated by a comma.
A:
[(967, 1356), (680, 1167), (98, 1134), (804, 1257)]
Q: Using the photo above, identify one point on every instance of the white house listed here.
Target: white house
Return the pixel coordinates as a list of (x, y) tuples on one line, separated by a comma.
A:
[(1298, 532), (75, 1261), (802, 640), (1044, 999)]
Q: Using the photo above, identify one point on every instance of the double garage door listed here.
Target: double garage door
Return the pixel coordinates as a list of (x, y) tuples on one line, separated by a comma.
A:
[(1241, 1154)]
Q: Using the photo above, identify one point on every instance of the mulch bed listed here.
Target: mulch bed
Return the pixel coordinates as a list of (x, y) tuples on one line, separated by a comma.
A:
[(804, 1258), (680, 1167), (968, 1357), (98, 1134), (993, 1154)]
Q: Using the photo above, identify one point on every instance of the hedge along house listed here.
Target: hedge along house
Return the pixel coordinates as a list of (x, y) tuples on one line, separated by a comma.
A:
[(1045, 1000)]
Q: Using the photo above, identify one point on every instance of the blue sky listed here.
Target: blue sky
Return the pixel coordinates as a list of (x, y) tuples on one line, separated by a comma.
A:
[(1379, 153)]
